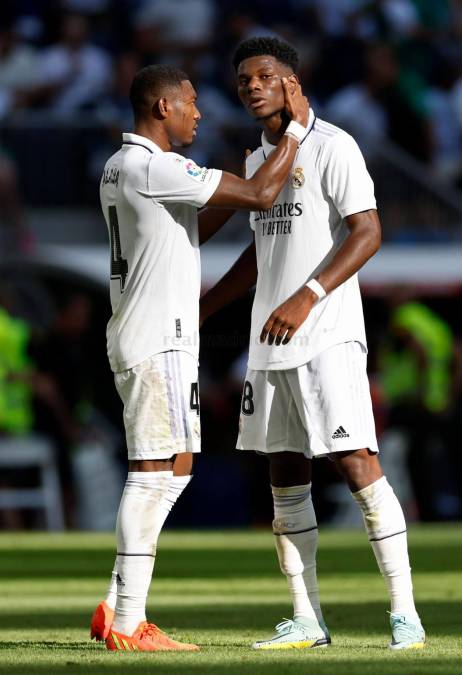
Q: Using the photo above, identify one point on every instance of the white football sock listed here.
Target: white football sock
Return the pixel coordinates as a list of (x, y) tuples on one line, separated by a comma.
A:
[(111, 596), (175, 488), (296, 535), (139, 522), (386, 529)]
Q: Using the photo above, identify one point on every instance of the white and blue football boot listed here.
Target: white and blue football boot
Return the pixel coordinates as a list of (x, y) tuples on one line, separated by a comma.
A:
[(297, 633)]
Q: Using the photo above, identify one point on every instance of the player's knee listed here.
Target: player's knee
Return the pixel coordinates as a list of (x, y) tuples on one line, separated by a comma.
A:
[(289, 468), (360, 468)]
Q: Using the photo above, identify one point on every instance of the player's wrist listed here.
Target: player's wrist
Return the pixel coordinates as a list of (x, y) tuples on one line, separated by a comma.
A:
[(307, 297), (295, 130), (315, 287)]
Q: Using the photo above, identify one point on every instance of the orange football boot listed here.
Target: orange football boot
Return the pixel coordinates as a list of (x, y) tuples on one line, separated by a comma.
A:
[(101, 622), (146, 638)]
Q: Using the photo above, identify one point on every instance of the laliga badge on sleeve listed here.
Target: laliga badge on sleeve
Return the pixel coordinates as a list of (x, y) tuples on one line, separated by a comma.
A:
[(298, 178)]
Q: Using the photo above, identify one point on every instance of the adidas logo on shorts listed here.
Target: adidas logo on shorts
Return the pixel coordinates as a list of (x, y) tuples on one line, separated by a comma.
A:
[(340, 433)]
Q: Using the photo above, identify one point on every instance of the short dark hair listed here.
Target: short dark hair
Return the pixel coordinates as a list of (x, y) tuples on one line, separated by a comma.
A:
[(267, 46), (150, 83)]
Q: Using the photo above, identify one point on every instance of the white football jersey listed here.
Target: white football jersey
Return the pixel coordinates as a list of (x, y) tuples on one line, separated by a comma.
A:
[(149, 200), (298, 236)]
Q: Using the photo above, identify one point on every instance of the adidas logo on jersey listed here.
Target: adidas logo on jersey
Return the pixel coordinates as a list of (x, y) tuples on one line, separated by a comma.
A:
[(340, 433)]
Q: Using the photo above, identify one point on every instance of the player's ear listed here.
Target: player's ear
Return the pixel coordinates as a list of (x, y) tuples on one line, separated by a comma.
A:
[(161, 108)]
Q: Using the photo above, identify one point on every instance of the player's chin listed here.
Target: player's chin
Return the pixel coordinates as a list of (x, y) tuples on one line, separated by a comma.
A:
[(186, 142), (264, 113)]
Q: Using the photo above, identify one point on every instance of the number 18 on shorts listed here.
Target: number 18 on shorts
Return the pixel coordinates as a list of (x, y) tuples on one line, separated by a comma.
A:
[(319, 408)]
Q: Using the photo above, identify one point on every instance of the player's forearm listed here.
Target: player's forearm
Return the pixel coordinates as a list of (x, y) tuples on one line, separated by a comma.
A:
[(260, 191), (237, 281), (269, 180), (211, 220), (363, 241)]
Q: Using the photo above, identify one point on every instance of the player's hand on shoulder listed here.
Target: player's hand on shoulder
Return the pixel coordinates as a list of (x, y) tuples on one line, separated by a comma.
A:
[(296, 104), (288, 317)]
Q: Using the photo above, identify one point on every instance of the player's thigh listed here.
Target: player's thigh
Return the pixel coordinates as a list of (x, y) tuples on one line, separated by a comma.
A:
[(269, 420), (333, 397), (161, 406)]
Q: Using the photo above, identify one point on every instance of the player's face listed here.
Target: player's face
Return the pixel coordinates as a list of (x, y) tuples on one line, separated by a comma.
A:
[(260, 87), (185, 116)]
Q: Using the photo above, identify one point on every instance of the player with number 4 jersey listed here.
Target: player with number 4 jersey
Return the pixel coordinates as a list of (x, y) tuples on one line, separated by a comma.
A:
[(150, 198)]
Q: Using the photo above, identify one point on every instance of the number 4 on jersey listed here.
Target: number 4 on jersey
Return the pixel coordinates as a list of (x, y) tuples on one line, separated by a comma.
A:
[(119, 265), (194, 399)]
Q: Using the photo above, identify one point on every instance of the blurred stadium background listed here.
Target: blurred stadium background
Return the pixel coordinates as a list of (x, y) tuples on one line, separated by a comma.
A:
[(390, 73)]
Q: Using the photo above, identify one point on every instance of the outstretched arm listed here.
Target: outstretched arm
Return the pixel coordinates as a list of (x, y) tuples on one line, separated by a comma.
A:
[(361, 244), (237, 281), (211, 220), (260, 191)]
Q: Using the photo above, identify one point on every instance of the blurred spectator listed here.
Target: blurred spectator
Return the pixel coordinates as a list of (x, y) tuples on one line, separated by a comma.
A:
[(379, 106), (18, 68), (357, 108), (74, 73), (61, 355), (417, 378), (14, 236), (114, 109), (114, 112), (166, 27), (447, 134), (21, 383), (16, 415)]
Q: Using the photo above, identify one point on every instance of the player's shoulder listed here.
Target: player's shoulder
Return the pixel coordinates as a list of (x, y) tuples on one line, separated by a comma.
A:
[(139, 159), (324, 133), (332, 142), (178, 167)]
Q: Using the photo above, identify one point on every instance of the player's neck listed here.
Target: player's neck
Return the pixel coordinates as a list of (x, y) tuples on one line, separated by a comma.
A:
[(156, 134), (274, 127)]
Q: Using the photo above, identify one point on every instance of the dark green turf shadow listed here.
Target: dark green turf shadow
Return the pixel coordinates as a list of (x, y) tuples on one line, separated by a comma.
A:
[(212, 563), (440, 618), (417, 664)]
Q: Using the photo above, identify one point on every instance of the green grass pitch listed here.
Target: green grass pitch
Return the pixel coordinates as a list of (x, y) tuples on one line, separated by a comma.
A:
[(223, 590)]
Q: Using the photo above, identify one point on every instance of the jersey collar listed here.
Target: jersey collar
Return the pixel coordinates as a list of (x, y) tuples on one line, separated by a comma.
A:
[(135, 139), (269, 147)]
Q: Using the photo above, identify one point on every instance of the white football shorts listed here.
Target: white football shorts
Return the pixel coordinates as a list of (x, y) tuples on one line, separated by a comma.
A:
[(317, 409), (161, 406)]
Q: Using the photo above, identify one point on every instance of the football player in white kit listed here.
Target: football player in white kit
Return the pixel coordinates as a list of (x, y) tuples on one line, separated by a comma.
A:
[(306, 392), (150, 197)]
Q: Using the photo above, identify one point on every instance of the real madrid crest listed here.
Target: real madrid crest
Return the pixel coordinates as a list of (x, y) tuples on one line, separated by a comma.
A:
[(298, 178)]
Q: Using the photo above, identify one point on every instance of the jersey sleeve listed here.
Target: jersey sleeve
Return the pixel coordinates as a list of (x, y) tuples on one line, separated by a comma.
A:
[(252, 163), (346, 178), (173, 178)]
